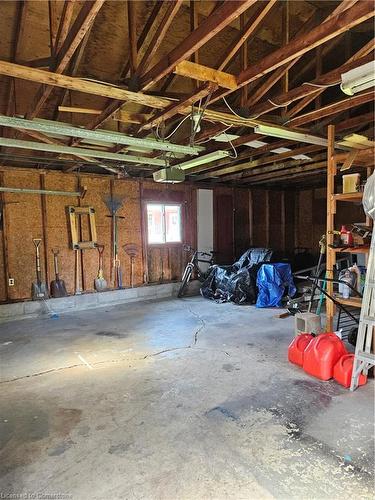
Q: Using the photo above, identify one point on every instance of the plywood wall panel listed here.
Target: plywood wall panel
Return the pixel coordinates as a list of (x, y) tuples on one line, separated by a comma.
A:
[(58, 227), (130, 229), (97, 189), (24, 222)]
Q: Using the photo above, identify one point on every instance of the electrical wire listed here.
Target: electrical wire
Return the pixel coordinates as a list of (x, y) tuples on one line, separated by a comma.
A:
[(234, 149), (173, 131), (236, 114)]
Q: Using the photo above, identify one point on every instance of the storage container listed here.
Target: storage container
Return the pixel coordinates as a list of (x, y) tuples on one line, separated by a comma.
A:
[(321, 355), (342, 371), (297, 348)]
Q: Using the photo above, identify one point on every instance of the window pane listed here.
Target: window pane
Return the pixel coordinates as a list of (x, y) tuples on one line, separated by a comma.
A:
[(155, 223), (172, 223)]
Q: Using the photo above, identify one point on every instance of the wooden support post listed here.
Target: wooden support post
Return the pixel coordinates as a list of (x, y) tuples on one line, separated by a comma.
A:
[(331, 209)]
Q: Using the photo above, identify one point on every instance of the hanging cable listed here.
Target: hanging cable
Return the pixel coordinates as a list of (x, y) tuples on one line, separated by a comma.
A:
[(236, 114)]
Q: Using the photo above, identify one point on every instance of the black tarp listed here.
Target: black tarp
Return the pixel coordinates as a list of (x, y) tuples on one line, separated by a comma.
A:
[(236, 283)]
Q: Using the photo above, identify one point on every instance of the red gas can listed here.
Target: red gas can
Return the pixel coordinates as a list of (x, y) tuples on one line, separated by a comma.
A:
[(342, 371), (322, 354), (297, 348)]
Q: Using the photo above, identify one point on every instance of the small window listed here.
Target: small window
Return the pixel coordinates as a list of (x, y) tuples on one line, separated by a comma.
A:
[(163, 223)]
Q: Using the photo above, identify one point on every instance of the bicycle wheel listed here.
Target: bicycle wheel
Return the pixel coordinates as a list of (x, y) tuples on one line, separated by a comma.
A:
[(185, 280)]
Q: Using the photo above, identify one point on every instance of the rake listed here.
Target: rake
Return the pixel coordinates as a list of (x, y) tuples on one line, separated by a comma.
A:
[(114, 203)]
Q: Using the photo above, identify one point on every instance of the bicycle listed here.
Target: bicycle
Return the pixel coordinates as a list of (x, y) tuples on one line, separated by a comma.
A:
[(193, 265)]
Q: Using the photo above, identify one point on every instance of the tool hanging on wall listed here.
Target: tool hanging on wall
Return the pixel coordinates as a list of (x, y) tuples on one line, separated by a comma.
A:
[(38, 288), (131, 249), (75, 214), (114, 203), (100, 283), (77, 287), (57, 286)]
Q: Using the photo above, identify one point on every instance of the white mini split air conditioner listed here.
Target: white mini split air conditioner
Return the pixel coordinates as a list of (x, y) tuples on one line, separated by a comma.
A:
[(358, 79)]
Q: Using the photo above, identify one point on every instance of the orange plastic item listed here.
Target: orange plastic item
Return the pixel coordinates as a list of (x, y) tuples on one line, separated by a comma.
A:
[(297, 348), (342, 371), (321, 355)]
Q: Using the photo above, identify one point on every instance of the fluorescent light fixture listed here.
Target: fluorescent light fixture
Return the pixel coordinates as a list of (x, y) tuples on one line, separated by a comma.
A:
[(301, 157), (291, 135), (279, 151), (226, 137), (358, 79), (255, 144), (201, 160)]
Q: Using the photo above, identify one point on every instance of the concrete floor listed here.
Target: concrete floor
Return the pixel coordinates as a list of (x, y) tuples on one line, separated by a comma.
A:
[(175, 399)]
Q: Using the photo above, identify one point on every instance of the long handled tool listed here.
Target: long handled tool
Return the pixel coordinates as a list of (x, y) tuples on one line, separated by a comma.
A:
[(322, 247), (78, 289), (131, 249), (38, 288), (57, 286), (100, 283), (114, 203)]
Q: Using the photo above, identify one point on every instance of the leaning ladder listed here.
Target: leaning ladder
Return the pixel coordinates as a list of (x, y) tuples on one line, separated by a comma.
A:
[(364, 358)]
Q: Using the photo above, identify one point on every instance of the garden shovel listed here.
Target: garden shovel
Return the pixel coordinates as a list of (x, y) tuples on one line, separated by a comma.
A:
[(100, 283), (57, 286), (38, 289)]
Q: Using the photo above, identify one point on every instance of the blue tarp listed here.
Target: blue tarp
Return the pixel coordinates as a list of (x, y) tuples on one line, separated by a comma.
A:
[(272, 280)]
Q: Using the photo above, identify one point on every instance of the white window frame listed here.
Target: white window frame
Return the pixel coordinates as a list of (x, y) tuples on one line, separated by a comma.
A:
[(164, 232)]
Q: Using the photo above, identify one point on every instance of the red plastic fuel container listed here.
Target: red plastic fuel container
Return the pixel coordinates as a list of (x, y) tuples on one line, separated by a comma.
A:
[(321, 355), (297, 348), (342, 371)]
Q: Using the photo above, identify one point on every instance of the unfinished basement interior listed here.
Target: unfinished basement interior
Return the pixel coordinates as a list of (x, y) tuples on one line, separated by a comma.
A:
[(187, 273)]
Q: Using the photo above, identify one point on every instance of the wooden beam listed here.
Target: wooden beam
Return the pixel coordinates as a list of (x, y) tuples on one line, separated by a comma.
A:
[(244, 56), (330, 109), (194, 23), (54, 79), (142, 37), (120, 116), (359, 13), (132, 26), (284, 167), (65, 20), (81, 25), (307, 89), (369, 47), (285, 36), (177, 107), (159, 35), (286, 56), (259, 92), (204, 74), (213, 24), (246, 31)]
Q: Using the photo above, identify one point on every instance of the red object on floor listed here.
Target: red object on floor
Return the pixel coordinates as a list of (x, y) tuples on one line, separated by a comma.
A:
[(297, 348), (322, 354), (342, 371)]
